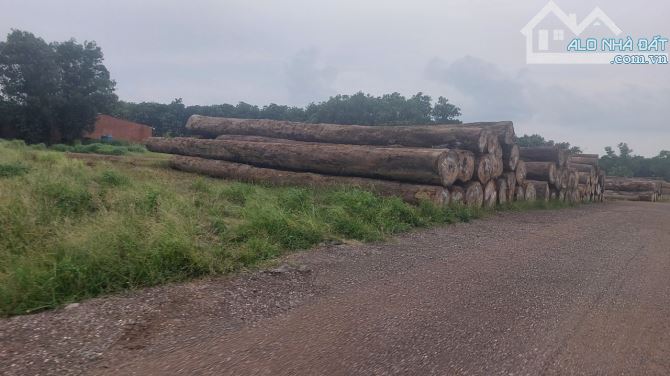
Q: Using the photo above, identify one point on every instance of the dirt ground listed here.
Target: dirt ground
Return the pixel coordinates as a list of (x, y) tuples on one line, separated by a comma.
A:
[(574, 291)]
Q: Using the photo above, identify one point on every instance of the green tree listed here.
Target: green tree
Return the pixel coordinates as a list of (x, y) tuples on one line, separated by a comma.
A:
[(29, 86), (625, 163), (166, 119), (52, 92), (86, 88), (537, 140), (445, 112)]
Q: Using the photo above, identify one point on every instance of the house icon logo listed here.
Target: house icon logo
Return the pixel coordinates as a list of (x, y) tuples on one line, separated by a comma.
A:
[(548, 33)]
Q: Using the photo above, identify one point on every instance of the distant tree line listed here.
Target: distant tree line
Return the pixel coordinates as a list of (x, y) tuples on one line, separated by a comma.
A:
[(625, 163), (359, 108)]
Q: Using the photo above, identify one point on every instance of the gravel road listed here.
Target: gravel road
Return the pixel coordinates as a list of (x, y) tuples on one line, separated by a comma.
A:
[(575, 291)]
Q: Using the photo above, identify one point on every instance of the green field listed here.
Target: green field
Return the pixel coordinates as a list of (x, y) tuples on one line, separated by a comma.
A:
[(72, 229)]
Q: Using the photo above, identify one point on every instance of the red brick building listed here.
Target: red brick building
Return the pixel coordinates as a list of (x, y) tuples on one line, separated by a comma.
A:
[(118, 129)]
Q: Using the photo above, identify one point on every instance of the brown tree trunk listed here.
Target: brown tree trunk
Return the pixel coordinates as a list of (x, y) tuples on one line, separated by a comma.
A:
[(631, 196), (484, 168), (466, 163), (457, 195), (474, 194), (490, 194), (503, 129), (542, 191), (519, 193), (529, 190), (543, 171), (425, 166), (630, 185), (565, 178), (494, 147), (411, 193), (510, 177), (474, 139), (502, 188), (573, 179), (520, 172), (580, 167), (497, 168), (544, 154), (510, 156), (589, 159)]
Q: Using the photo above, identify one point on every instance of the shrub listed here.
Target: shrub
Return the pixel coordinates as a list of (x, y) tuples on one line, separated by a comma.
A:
[(9, 170), (61, 147), (113, 178), (67, 199)]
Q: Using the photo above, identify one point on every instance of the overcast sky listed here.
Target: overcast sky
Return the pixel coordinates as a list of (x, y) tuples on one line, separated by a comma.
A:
[(299, 51)]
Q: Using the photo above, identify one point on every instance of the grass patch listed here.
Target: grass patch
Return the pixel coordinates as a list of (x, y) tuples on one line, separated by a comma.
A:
[(10, 170), (99, 148), (71, 230)]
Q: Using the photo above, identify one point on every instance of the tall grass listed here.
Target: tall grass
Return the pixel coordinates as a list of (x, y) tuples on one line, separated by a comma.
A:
[(71, 230)]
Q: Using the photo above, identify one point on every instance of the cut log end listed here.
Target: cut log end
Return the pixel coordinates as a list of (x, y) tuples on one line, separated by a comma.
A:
[(474, 194)]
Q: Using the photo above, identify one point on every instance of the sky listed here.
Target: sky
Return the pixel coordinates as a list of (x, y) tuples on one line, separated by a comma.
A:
[(300, 51)]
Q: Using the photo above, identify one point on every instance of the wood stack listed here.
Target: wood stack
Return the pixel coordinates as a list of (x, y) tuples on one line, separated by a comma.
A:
[(591, 178), (635, 189), (557, 175), (476, 164)]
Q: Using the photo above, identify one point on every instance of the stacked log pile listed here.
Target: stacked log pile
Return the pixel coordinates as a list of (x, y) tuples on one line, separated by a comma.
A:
[(635, 189), (557, 175), (476, 164)]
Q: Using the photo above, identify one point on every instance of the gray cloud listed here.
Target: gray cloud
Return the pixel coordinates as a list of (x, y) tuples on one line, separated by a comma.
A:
[(495, 94), (307, 80)]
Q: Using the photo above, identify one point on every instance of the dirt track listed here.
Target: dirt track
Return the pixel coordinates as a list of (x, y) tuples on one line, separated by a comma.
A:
[(576, 291)]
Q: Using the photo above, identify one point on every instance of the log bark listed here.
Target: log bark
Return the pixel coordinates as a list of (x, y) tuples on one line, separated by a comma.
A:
[(520, 172), (562, 195), (473, 138), (581, 167), (425, 166), (542, 171), (474, 194), (584, 178), (542, 190), (529, 190), (519, 193), (573, 179), (503, 129), (544, 154), (589, 159), (457, 195), (630, 185), (503, 190), (411, 193), (466, 163), (510, 156), (559, 181), (498, 168), (493, 146), (565, 178), (510, 178), (485, 168), (649, 196), (490, 194)]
